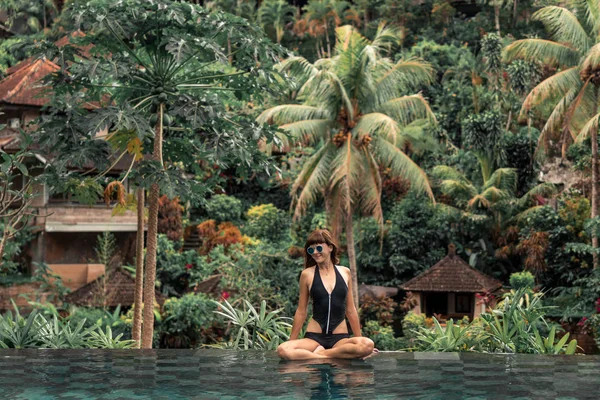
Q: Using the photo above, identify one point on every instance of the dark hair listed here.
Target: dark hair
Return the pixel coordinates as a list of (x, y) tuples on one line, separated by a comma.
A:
[(319, 236)]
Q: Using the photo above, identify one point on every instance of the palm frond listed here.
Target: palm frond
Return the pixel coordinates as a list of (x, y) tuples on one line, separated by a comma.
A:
[(407, 109), (494, 194), (298, 67), (371, 189), (503, 179), (309, 131), (386, 37), (545, 51), (313, 179), (420, 138), (461, 191), (347, 170), (591, 124), (558, 85), (444, 172), (564, 27), (402, 77), (592, 59), (478, 201), (592, 14), (326, 88), (288, 113), (402, 165), (553, 124), (541, 190), (379, 124)]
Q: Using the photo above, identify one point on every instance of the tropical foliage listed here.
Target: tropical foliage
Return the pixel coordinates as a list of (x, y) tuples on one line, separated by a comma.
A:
[(236, 148)]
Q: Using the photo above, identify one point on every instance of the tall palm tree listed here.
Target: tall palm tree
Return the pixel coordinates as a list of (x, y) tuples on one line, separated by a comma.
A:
[(353, 108), (276, 14), (573, 91)]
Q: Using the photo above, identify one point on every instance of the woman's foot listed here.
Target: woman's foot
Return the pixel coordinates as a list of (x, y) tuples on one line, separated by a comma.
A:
[(375, 351), (318, 352)]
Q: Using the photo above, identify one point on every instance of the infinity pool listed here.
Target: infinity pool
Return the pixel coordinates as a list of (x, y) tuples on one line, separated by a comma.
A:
[(220, 374)]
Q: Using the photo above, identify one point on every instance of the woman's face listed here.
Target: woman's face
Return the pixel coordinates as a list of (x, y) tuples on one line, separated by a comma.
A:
[(323, 255)]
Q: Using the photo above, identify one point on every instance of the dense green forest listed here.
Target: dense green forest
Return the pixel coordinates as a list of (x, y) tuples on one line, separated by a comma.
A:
[(403, 126)]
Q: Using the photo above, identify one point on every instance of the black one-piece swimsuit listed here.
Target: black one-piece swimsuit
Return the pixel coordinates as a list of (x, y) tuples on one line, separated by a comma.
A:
[(329, 309)]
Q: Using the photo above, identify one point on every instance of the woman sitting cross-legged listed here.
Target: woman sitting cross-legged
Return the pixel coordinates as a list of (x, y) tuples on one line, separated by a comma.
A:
[(330, 287)]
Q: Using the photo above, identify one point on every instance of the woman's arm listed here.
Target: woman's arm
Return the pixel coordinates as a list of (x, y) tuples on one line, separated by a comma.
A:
[(351, 313), (301, 312)]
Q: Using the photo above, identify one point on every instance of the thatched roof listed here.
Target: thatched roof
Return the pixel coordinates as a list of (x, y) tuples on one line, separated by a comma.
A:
[(452, 274), (120, 289)]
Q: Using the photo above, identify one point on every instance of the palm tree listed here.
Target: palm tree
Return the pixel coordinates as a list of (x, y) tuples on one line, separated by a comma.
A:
[(319, 17), (496, 195), (573, 91), (276, 14), (352, 107)]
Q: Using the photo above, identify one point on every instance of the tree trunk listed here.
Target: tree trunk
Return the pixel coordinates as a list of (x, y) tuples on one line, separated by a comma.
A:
[(327, 40), (2, 244), (497, 19), (515, 4), (594, 138), (230, 58), (139, 268), (152, 238), (352, 256), (565, 145)]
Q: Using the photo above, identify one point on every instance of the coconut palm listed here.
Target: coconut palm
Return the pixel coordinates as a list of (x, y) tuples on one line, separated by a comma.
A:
[(353, 109), (493, 205), (496, 195), (573, 91), (276, 14)]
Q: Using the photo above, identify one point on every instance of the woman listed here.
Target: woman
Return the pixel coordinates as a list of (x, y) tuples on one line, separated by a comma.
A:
[(330, 287)]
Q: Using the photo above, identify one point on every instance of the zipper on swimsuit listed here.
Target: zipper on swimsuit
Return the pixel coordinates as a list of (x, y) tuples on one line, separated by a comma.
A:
[(328, 314)]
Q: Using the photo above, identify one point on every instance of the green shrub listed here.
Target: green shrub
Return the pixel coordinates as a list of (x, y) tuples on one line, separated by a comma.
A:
[(267, 222), (223, 208), (187, 317), (383, 337), (412, 323), (173, 267), (520, 280), (101, 318)]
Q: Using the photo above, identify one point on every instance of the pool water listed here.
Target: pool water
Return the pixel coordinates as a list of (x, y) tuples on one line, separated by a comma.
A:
[(222, 374)]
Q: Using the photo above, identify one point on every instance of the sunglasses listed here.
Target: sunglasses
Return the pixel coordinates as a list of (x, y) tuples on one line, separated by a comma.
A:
[(311, 250)]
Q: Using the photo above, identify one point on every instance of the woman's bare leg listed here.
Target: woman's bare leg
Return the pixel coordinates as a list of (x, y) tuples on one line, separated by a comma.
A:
[(359, 347), (299, 349)]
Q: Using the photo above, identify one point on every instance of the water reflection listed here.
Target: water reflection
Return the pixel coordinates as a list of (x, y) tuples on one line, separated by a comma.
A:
[(329, 379)]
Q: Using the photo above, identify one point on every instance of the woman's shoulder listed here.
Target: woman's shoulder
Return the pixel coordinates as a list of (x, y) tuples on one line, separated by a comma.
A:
[(343, 269), (310, 271)]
